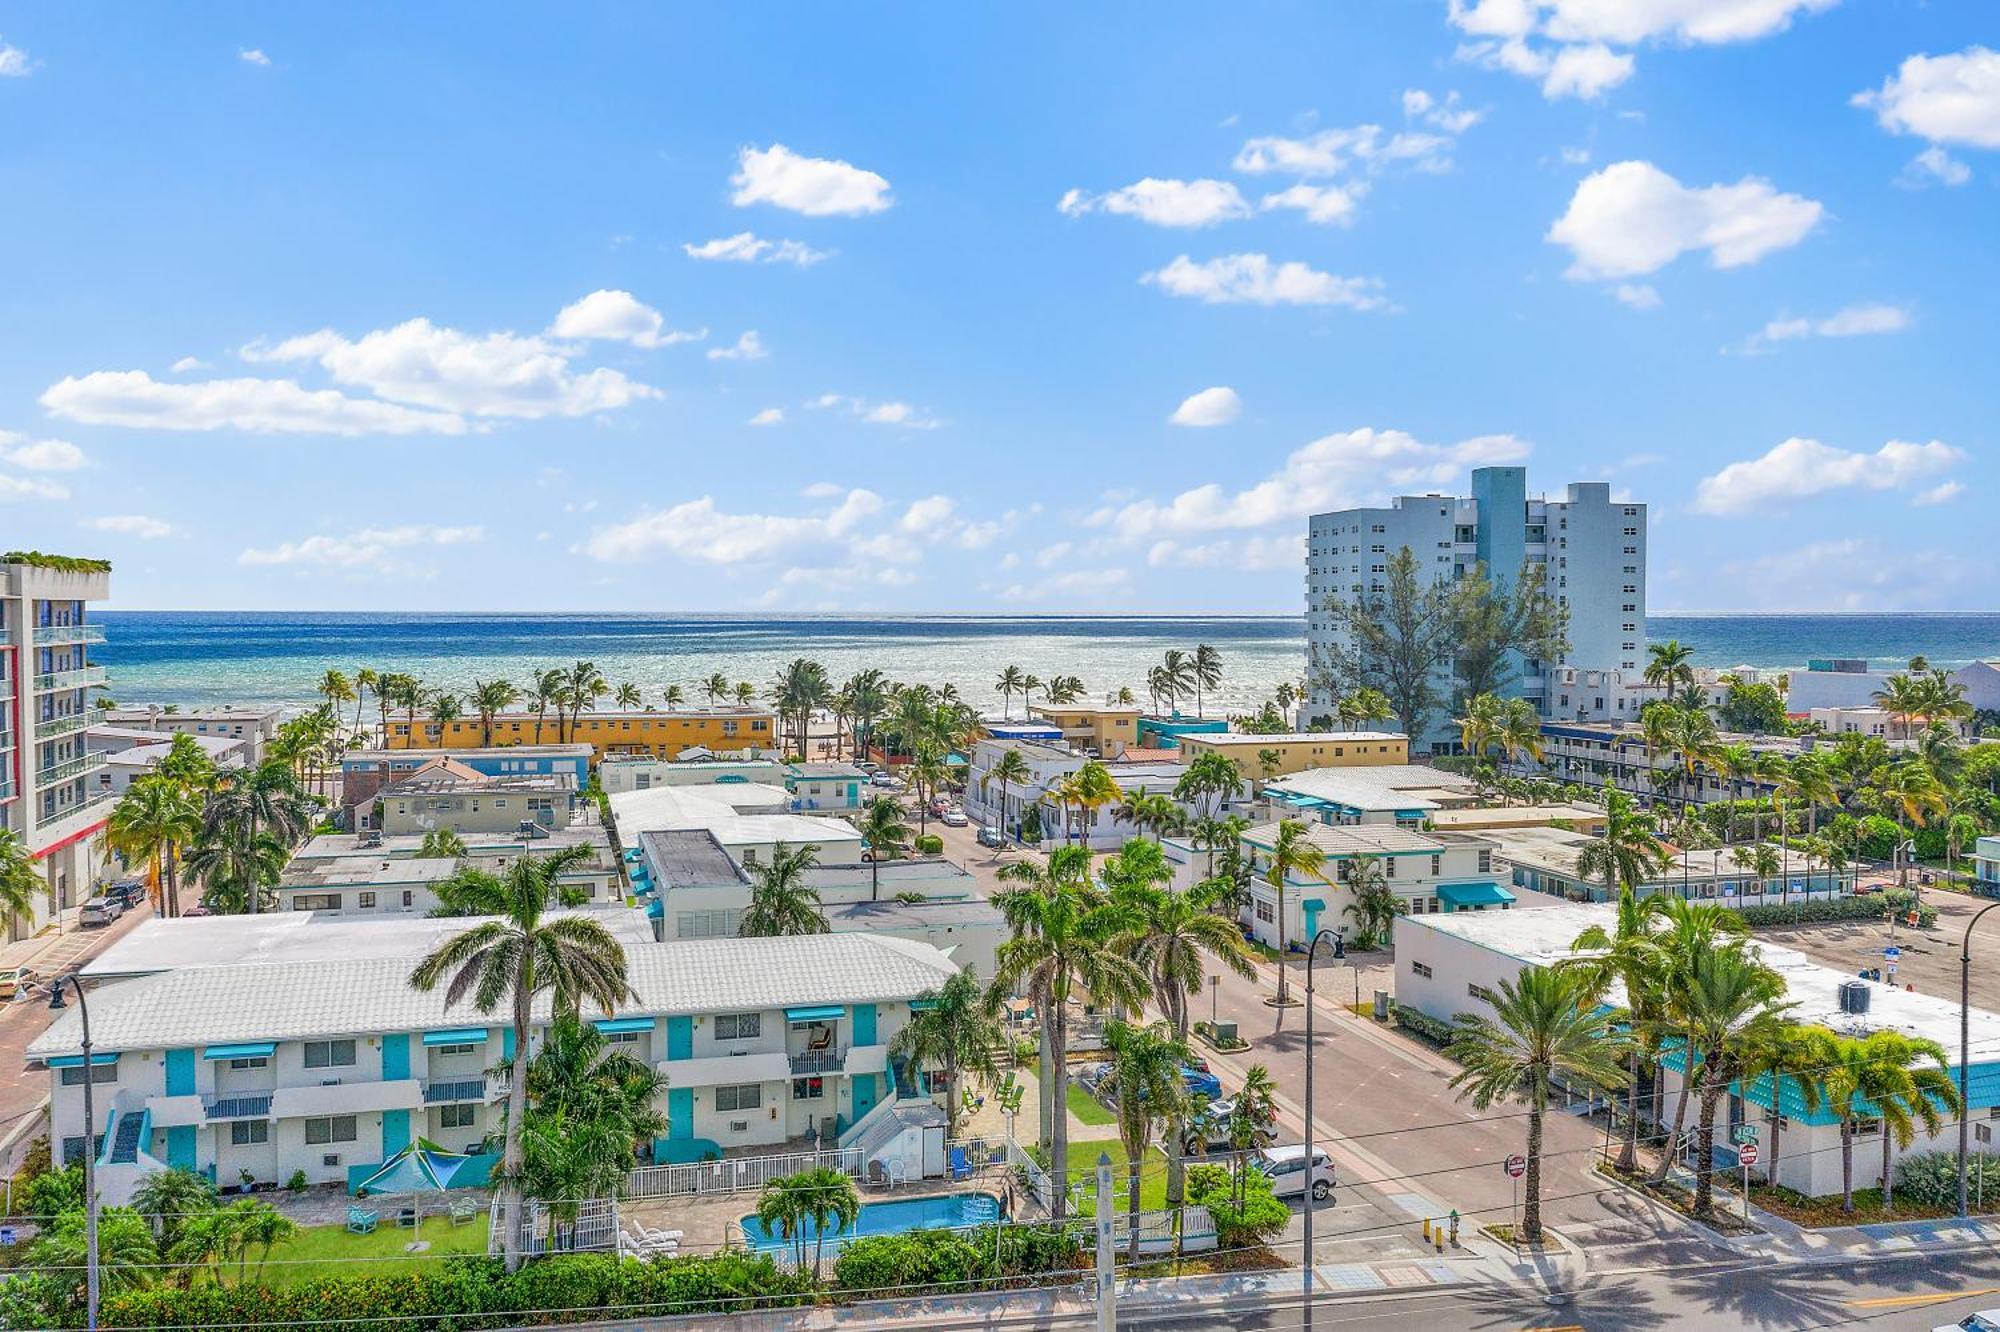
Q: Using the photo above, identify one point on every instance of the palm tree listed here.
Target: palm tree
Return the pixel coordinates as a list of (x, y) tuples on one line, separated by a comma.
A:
[(235, 869), (1008, 684), (548, 690), (673, 696), (1089, 789), (883, 830), (1546, 1024), (582, 685), (958, 1030), (627, 697), (153, 821), (1883, 1076), (1479, 728), (126, 1255), (1367, 704), (820, 1200), (1064, 946), (441, 844), (1256, 1106), (489, 698), (1146, 1067), (1206, 667), (1626, 854), (169, 1198), (1668, 665), (526, 951), (1903, 698), (1782, 1065), (928, 772), (365, 681), (781, 901), (1728, 1006), (1177, 673), (1374, 906), (1520, 731), (1630, 955), (1294, 852), (1010, 769), (716, 687), (1691, 931), (446, 708), (1207, 781), (1909, 794), (335, 688)]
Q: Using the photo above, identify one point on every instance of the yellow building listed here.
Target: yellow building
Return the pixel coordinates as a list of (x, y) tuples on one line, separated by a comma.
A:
[(1299, 751), (658, 734), (1107, 729)]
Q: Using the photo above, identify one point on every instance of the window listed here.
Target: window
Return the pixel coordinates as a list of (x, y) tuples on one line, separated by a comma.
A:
[(329, 1054), (73, 1077), (249, 1133), (407, 898), (458, 1049), (744, 1096), (1475, 990), (1485, 862), (1389, 867), (1437, 865), (1265, 912), (739, 1026), (331, 1128), (1420, 969), (255, 1061), (316, 901), (622, 1037), (456, 1116), (367, 901)]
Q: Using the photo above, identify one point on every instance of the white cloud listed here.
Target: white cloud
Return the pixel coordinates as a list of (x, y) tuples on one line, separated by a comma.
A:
[(928, 514), (1852, 322), (1332, 472), (253, 56), (491, 374), (1334, 152), (746, 247), (1076, 585), (28, 488), (14, 62), (1799, 468), (1164, 203), (749, 347), (1586, 71), (131, 524), (370, 548), (1943, 493), (1632, 218), (187, 363), (1946, 99), (1253, 554), (1638, 295), (815, 186), (1252, 279), (618, 316), (39, 455), (1211, 407), (770, 416), (1447, 115), (1853, 574), (1326, 204), (1575, 156), (1935, 166), (877, 413), (698, 530), (262, 406)]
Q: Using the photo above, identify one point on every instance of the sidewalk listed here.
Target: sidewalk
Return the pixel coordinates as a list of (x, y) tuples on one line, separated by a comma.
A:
[(1785, 1242)]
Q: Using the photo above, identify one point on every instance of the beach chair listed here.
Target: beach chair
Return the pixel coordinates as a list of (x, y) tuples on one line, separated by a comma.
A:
[(464, 1210), (361, 1220), (959, 1164)]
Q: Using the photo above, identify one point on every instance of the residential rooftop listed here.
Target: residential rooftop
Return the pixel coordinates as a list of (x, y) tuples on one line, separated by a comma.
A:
[(401, 756), (449, 777), (833, 771), (728, 811), (1356, 839), (1289, 737), (214, 746), (1364, 788), (383, 871), (1494, 817), (478, 845)]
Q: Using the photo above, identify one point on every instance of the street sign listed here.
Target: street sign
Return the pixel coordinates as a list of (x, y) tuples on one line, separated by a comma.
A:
[(1744, 1133), (1892, 954), (1747, 1154), (1516, 1166)]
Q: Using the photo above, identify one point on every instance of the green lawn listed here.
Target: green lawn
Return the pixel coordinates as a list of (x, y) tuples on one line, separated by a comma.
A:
[(321, 1251), (1152, 1175), (1088, 1109)]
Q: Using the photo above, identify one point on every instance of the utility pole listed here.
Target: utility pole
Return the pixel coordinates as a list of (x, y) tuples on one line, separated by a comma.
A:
[(1107, 1306), (56, 1003), (1339, 939)]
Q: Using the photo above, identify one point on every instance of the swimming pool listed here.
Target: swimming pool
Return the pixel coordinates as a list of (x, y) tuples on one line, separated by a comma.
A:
[(944, 1210)]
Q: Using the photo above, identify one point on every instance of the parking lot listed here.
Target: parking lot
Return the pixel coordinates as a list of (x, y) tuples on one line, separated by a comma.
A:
[(1929, 958)]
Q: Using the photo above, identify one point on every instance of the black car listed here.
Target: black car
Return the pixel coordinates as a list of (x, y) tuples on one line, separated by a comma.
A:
[(128, 893)]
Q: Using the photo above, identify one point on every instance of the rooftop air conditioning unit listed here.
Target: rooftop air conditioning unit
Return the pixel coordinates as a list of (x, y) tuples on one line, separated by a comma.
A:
[(1854, 996)]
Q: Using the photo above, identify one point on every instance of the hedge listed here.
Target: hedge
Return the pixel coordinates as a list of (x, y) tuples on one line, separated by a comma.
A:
[(1259, 1217), (1424, 1024), (877, 1265), (460, 1294), (59, 563), (1931, 1178), (1870, 906)]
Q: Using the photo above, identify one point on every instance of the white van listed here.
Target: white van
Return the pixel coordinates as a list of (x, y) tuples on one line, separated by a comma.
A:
[(1287, 1168)]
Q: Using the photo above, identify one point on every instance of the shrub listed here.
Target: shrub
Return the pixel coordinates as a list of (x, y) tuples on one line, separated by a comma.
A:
[(1931, 1178), (1260, 1216), (1876, 838), (54, 1192), (1423, 1024), (930, 844), (1869, 906), (298, 1182), (956, 1259)]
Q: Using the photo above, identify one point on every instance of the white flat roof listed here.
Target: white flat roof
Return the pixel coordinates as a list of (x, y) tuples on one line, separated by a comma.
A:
[(719, 810), (303, 936), (1358, 839), (1374, 786)]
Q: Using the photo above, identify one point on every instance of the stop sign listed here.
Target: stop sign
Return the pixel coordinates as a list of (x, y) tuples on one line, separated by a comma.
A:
[(1517, 1166), (1747, 1153)]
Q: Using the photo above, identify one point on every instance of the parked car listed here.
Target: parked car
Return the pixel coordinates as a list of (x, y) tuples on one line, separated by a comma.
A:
[(197, 910), (1986, 1320), (14, 981), (883, 778), (1208, 1130), (1286, 1167), (1200, 1082), (128, 893), (990, 836), (99, 911), (953, 818)]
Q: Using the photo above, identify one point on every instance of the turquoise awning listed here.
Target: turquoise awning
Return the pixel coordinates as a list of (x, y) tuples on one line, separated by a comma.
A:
[(76, 1061), (456, 1036), (619, 1026), (919, 1005), (819, 1014), (1474, 894), (242, 1050)]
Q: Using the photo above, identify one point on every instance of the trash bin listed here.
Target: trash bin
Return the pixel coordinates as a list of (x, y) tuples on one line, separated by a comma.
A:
[(1381, 1005)]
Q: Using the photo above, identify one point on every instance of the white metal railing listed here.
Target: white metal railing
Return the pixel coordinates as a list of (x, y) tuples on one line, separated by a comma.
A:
[(71, 767), (595, 1227), (74, 679), (48, 728), (1032, 1173), (734, 1174)]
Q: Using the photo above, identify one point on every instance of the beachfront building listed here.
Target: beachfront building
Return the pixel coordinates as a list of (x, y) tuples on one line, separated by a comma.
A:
[(1591, 546), (1405, 794), (1881, 724), (1100, 730), (51, 795), (131, 752), (373, 873), (364, 772), (834, 788), (1452, 964), (1543, 860), (330, 1065), (642, 772), (1263, 757), (1166, 732), (446, 794), (666, 735), (1852, 682), (1615, 755), (254, 727)]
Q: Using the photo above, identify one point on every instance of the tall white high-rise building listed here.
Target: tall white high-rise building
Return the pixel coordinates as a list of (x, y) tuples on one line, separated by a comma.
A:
[(1592, 547), (50, 795)]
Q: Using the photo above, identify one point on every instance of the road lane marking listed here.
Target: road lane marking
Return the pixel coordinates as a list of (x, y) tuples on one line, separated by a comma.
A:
[(1907, 1301)]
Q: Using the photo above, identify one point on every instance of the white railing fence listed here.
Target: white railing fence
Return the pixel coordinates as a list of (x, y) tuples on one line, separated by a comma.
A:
[(550, 1229), (734, 1174)]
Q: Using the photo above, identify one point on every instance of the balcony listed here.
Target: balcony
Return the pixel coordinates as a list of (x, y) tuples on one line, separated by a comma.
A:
[(55, 635), (454, 1091), (48, 728), (811, 1063), (83, 677), (69, 768), (237, 1105), (55, 825)]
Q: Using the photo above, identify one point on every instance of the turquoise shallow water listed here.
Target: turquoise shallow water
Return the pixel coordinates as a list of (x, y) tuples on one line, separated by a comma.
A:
[(276, 657)]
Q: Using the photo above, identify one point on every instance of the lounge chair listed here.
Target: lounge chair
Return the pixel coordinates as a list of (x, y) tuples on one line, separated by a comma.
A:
[(361, 1220), (960, 1166), (463, 1210)]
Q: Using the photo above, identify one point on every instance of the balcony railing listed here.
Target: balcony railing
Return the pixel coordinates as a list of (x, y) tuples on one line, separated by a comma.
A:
[(811, 1062), (238, 1105), (81, 678), (54, 635), (69, 768), (452, 1091), (48, 728), (88, 805)]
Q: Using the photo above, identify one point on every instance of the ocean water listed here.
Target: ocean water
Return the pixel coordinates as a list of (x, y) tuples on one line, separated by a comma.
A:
[(190, 657)]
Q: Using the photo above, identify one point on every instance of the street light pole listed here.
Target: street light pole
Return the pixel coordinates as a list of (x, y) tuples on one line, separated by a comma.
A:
[(1306, 1264), (1965, 1057), (89, 1150)]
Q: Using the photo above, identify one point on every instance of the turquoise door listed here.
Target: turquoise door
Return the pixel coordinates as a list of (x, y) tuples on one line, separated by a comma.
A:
[(1313, 906), (865, 1095)]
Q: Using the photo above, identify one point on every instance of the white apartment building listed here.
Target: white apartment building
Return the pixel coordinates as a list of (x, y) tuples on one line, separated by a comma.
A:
[(1592, 547), (446, 794), (50, 793), (254, 726), (1049, 765), (330, 1066), (131, 754), (385, 874), (1615, 755), (619, 773), (1398, 793)]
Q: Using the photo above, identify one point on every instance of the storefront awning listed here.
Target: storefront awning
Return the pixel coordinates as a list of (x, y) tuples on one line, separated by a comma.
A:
[(242, 1050), (1474, 894)]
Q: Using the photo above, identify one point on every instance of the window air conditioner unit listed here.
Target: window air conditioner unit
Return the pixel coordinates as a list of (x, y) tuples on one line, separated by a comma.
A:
[(330, 1160), (739, 1126)]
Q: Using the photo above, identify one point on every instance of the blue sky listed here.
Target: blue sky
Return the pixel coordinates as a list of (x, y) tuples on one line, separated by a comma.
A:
[(1027, 309)]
